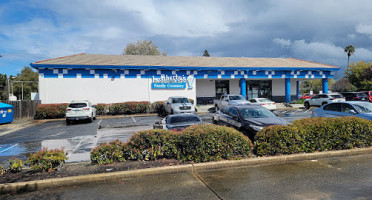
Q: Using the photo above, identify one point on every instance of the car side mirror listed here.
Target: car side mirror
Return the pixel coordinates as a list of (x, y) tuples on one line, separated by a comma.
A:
[(168, 103), (353, 112)]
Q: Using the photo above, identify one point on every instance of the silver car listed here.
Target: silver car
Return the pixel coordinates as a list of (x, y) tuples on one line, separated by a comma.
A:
[(178, 122), (176, 105), (350, 108)]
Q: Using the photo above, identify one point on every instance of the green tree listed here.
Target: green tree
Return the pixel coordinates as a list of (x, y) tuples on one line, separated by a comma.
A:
[(3, 87), (30, 83), (143, 47), (343, 85), (360, 75), (349, 50), (315, 85), (206, 54)]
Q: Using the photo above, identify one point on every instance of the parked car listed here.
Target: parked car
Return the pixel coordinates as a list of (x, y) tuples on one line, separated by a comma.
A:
[(322, 99), (248, 119), (350, 108), (80, 110), (230, 99), (306, 96), (355, 96), (178, 122), (267, 103), (176, 105)]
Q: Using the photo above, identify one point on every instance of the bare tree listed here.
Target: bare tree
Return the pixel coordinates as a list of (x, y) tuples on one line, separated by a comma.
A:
[(143, 47)]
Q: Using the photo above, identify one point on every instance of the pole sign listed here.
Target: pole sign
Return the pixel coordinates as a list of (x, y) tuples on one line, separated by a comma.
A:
[(172, 82)]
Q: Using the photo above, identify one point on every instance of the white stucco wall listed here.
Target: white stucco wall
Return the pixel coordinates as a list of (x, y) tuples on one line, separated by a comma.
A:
[(278, 87), (205, 88), (234, 86), (105, 90)]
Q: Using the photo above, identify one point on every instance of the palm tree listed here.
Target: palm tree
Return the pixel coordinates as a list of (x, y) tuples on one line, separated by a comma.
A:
[(349, 50)]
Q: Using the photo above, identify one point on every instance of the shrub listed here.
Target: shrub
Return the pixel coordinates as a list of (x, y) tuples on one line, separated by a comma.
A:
[(151, 145), (157, 107), (50, 111), (208, 142), (2, 170), (300, 101), (108, 153), (322, 134), (278, 139), (102, 108), (314, 134), (46, 160), (15, 165), (129, 107)]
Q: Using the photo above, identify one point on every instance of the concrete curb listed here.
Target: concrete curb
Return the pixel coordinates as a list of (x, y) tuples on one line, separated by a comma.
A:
[(11, 188)]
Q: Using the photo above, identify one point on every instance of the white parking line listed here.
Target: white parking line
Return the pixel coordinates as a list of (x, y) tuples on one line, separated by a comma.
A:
[(99, 122), (134, 120), (8, 148)]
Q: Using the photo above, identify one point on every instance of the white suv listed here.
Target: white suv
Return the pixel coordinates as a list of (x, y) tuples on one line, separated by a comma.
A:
[(322, 99), (177, 105), (80, 110)]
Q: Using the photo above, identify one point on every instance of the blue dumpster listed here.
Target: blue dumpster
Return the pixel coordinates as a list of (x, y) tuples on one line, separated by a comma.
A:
[(6, 113)]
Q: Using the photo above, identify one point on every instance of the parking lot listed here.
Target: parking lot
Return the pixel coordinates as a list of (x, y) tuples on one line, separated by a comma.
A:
[(79, 138)]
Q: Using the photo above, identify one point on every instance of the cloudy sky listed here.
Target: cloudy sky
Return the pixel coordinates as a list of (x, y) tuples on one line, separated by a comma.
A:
[(314, 30)]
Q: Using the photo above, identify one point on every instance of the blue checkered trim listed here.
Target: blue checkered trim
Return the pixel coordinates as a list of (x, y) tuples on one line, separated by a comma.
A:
[(202, 74)]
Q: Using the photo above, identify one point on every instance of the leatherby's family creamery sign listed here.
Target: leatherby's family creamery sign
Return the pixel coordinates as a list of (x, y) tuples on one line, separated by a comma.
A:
[(172, 82)]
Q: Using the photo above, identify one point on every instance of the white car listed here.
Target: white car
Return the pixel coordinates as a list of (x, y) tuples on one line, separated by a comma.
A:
[(322, 99), (177, 105), (267, 103), (80, 110)]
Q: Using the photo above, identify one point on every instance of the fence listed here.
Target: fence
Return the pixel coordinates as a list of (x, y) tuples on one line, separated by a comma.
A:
[(24, 109)]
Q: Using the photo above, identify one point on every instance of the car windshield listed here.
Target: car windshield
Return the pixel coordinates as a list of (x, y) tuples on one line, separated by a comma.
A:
[(77, 105), (363, 107), (184, 119), (180, 100), (336, 96), (236, 97), (264, 100), (247, 113)]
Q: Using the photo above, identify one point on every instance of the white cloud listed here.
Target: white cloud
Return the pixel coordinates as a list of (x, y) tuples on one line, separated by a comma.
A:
[(364, 29), (283, 42)]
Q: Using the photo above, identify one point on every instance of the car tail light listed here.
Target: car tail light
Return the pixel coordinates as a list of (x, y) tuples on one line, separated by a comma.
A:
[(332, 99), (85, 108), (312, 112), (274, 103), (263, 104), (68, 109)]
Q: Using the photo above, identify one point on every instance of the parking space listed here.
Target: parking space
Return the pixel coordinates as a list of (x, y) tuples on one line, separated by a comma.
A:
[(79, 138)]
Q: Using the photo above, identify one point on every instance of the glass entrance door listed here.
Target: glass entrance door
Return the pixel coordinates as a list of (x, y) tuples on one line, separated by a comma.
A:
[(222, 87)]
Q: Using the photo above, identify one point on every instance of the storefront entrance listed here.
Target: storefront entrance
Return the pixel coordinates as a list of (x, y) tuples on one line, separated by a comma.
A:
[(222, 87), (259, 89)]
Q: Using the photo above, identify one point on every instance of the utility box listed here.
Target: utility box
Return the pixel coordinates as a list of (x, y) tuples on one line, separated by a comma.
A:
[(6, 113)]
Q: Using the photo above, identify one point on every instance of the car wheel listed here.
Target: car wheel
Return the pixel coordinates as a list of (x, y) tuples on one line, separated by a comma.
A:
[(91, 118), (68, 122), (307, 105), (171, 112), (215, 122)]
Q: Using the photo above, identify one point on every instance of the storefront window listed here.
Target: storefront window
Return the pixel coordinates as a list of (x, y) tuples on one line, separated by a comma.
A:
[(259, 89), (222, 87)]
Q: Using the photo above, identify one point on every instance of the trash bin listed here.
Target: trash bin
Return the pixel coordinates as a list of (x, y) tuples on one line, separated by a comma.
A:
[(6, 113)]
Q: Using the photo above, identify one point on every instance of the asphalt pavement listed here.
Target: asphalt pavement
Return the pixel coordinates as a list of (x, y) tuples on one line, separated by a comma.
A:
[(348, 177), (79, 138)]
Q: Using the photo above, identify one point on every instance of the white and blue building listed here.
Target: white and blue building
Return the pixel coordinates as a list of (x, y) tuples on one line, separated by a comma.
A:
[(122, 78)]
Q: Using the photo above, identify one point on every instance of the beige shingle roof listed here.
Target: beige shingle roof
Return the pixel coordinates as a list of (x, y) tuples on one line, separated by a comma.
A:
[(181, 61)]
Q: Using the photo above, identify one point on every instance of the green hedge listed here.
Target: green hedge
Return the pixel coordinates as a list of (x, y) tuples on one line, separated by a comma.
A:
[(102, 109), (129, 107), (314, 134), (50, 111), (199, 143), (157, 107)]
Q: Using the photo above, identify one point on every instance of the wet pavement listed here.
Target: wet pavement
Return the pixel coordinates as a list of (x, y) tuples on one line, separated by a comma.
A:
[(79, 138), (328, 178)]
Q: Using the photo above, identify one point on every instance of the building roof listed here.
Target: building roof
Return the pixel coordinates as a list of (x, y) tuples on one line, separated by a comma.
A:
[(177, 62)]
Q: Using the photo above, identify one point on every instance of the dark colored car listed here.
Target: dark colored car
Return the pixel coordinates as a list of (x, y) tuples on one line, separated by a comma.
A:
[(351, 108), (178, 122), (355, 96), (248, 119)]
